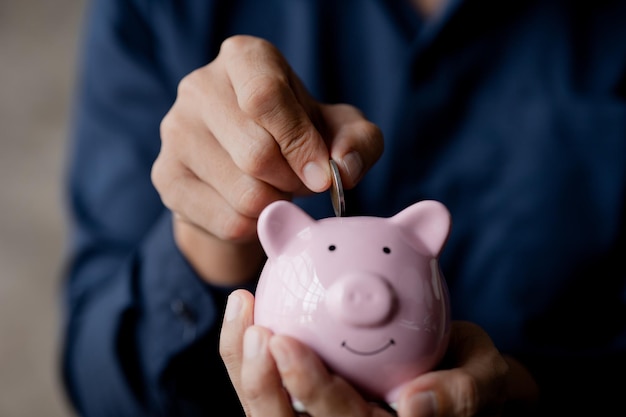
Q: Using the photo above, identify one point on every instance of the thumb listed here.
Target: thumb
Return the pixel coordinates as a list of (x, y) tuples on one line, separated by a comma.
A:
[(237, 318), (355, 143)]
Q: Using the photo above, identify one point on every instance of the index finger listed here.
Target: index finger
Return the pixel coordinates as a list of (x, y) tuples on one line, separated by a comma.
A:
[(268, 91), (314, 388)]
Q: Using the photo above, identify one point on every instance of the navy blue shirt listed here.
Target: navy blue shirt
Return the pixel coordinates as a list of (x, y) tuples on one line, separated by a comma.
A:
[(513, 114)]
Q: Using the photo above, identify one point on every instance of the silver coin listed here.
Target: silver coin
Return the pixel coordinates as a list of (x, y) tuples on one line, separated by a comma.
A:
[(336, 191)]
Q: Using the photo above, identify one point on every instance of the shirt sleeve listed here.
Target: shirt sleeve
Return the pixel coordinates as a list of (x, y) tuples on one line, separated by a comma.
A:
[(140, 331)]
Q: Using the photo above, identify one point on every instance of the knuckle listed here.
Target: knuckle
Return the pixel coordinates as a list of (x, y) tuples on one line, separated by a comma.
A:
[(227, 352), (293, 141), (259, 155), (157, 174), (236, 228), (189, 84), (238, 45), (235, 45), (262, 95), (160, 175), (374, 136), (500, 367), (250, 198), (167, 179), (306, 392), (169, 125), (253, 390), (165, 170), (466, 396), (369, 132)]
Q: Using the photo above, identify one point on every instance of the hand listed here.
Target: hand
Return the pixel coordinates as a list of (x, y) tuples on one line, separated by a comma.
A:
[(269, 370), (243, 133), (475, 380)]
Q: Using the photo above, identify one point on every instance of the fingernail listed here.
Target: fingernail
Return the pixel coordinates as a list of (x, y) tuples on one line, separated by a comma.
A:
[(423, 404), (252, 342), (280, 354), (353, 165), (233, 306), (316, 176)]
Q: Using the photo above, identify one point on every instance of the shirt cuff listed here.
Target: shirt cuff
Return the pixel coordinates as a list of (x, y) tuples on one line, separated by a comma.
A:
[(176, 305)]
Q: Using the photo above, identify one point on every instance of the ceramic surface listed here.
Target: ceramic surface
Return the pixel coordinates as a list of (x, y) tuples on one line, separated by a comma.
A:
[(366, 293)]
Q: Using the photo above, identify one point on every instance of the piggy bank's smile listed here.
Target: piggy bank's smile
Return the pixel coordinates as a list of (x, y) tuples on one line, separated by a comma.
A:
[(344, 345)]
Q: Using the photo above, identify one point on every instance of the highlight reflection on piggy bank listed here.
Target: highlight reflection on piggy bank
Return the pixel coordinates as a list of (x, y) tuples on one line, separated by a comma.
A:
[(365, 293)]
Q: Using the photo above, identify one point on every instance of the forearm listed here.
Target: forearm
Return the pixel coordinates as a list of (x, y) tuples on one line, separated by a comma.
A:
[(216, 261)]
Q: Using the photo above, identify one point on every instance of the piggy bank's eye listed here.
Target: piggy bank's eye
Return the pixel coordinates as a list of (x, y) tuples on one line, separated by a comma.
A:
[(332, 248), (386, 250)]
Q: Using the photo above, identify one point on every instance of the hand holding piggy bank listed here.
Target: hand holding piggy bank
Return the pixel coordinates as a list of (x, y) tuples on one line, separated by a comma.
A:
[(365, 293)]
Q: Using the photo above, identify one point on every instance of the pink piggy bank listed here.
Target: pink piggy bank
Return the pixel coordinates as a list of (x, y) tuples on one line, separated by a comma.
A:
[(365, 293)]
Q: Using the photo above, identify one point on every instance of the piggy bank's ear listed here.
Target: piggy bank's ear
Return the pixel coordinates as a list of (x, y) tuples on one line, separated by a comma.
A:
[(427, 224), (279, 223)]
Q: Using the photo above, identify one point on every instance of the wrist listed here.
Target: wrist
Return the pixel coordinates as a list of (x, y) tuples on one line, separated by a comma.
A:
[(217, 261)]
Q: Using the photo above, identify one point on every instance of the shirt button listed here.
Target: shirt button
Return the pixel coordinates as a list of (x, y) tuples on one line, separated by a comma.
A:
[(183, 311)]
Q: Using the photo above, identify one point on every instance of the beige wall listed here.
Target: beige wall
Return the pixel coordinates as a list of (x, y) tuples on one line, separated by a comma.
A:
[(38, 40)]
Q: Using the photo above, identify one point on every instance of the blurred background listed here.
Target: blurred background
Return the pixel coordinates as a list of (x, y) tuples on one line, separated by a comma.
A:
[(38, 46)]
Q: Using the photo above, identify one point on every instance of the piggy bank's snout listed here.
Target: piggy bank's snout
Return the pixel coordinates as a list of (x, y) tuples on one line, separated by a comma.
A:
[(361, 299)]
